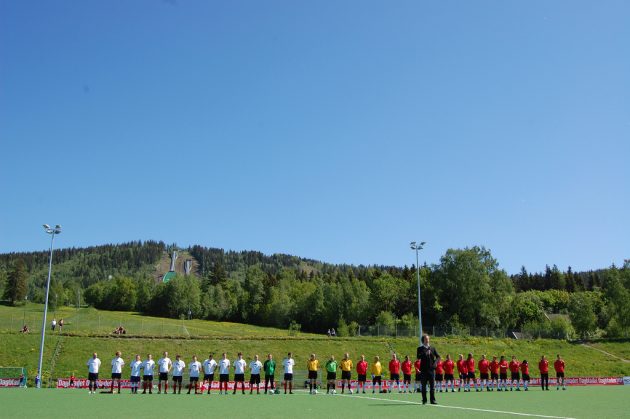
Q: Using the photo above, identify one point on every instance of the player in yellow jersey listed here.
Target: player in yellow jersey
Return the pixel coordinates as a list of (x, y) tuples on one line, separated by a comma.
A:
[(312, 365), (377, 371), (346, 372)]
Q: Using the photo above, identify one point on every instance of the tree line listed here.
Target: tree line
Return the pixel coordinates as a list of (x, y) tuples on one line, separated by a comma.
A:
[(466, 289)]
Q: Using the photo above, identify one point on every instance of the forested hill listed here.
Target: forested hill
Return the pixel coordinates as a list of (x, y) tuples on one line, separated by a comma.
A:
[(466, 288)]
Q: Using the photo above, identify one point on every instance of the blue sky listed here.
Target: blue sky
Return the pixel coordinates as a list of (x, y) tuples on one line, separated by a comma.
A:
[(338, 131)]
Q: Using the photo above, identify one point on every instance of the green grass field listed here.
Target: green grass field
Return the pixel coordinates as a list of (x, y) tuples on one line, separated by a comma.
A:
[(89, 330), (576, 402)]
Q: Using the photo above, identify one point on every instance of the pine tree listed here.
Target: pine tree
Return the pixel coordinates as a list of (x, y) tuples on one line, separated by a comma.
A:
[(16, 287)]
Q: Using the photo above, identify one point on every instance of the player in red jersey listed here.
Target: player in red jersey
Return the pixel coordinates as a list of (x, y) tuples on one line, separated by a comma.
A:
[(449, 367), (525, 373), (494, 374), (515, 370), (558, 365), (406, 370), (362, 367), (439, 375), (503, 368), (418, 382), (543, 367), (484, 368), (462, 369), (472, 380), (394, 373)]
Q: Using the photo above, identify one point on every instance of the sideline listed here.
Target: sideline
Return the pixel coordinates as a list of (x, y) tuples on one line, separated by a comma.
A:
[(503, 412)]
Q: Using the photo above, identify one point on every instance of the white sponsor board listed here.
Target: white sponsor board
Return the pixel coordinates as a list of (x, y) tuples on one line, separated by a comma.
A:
[(626, 381)]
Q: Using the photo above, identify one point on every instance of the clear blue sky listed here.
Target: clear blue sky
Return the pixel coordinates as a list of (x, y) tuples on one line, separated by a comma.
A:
[(335, 130)]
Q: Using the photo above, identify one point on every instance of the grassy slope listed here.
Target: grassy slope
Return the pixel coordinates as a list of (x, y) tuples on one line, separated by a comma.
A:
[(577, 402), (22, 350)]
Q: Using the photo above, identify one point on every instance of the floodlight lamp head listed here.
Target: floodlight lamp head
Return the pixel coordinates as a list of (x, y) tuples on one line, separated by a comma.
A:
[(58, 227), (46, 226), (422, 243), (413, 245)]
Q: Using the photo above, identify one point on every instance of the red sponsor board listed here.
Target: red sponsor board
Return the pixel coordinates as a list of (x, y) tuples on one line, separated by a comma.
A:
[(9, 382), (106, 383)]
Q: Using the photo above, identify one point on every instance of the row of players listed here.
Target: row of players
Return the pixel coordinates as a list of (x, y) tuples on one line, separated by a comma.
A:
[(493, 374)]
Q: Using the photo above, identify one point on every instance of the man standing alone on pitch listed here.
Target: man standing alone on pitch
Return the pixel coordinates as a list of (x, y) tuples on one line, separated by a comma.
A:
[(428, 360)]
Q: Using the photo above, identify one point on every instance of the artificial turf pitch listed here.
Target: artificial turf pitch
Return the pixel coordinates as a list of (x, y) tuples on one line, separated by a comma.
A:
[(576, 402)]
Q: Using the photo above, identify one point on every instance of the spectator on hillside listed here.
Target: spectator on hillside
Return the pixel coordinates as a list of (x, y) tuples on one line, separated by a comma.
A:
[(60, 324), (53, 324), (25, 329), (332, 332), (328, 333)]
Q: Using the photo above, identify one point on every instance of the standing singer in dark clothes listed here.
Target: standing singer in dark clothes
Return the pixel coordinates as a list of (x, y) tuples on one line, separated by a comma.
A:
[(428, 361)]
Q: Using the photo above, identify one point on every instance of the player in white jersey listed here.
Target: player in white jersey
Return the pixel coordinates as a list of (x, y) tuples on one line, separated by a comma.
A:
[(117, 365), (224, 373), (288, 364), (255, 366), (178, 372), (239, 372), (93, 365), (134, 379), (164, 367), (209, 366), (147, 374), (194, 368)]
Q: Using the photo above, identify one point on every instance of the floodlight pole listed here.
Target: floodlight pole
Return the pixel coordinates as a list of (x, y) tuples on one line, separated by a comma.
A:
[(52, 232), (417, 248)]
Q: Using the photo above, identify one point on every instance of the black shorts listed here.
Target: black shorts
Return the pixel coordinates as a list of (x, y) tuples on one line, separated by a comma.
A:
[(134, 379), (394, 377), (407, 378), (116, 376), (494, 376), (224, 378), (438, 377), (331, 375), (312, 375), (471, 375), (194, 379), (177, 378), (346, 375), (92, 376), (449, 377), (269, 378), (376, 379), (483, 375), (208, 377), (525, 377), (463, 376), (503, 375), (147, 378), (515, 376), (254, 379), (163, 376), (239, 378), (559, 375), (362, 378), (288, 376)]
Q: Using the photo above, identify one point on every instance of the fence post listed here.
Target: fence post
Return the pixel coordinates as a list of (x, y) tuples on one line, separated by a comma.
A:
[(378, 330), (99, 323)]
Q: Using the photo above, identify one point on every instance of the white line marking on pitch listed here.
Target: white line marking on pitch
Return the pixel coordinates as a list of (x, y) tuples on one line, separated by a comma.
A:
[(456, 407)]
